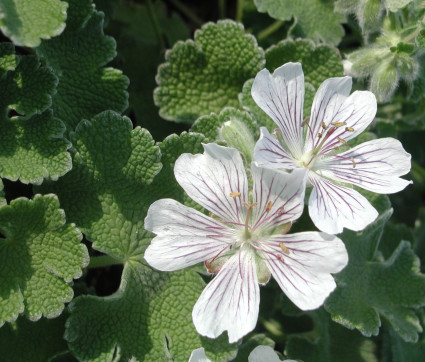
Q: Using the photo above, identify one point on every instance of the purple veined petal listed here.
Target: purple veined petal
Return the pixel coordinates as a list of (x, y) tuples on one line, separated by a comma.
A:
[(230, 302), (198, 355), (278, 195), (185, 236), (281, 96), (355, 115), (374, 165), (326, 104), (216, 180), (303, 270), (333, 207), (268, 151)]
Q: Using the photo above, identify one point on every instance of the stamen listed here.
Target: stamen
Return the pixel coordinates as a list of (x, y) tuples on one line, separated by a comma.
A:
[(324, 126), (349, 129), (336, 148), (306, 119), (354, 162), (341, 140), (268, 206), (338, 124), (248, 214), (319, 135), (284, 248), (287, 228), (280, 257), (235, 194)]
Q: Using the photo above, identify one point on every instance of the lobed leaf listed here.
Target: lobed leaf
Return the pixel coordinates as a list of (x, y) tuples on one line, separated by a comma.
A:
[(32, 146), (78, 58), (207, 74), (151, 319), (27, 22), (40, 255), (369, 289), (309, 17)]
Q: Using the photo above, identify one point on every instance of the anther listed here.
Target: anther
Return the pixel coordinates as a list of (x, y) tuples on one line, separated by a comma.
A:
[(268, 206), (287, 228), (319, 135), (349, 129), (338, 124), (284, 248), (280, 257), (324, 126), (341, 140), (235, 194), (336, 148), (354, 162)]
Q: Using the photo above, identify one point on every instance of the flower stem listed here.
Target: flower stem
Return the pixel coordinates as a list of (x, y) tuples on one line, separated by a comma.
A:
[(155, 24), (102, 261), (239, 10), (270, 29), (222, 8), (186, 11)]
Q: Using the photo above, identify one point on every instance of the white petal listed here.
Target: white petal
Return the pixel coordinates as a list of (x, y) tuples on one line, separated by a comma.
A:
[(281, 96), (279, 196), (198, 355), (268, 151), (356, 113), (333, 207), (185, 236), (378, 165), (326, 104), (263, 354), (210, 179), (304, 273), (231, 300)]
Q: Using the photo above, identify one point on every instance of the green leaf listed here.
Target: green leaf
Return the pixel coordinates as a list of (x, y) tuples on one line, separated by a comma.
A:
[(112, 165), (207, 74), (135, 42), (27, 22), (420, 39), (148, 318), (78, 57), (395, 5), (319, 62), (369, 289), (249, 344), (330, 342), (24, 340), (314, 19), (32, 146), (404, 351), (367, 12), (40, 255), (2, 198)]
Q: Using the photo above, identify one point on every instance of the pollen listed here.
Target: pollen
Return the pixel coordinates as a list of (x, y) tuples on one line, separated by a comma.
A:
[(338, 124), (349, 129), (284, 248), (324, 126), (341, 140), (269, 206), (235, 194), (354, 162)]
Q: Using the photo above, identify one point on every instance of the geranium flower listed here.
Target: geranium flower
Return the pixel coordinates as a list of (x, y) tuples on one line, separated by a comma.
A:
[(244, 240), (314, 143)]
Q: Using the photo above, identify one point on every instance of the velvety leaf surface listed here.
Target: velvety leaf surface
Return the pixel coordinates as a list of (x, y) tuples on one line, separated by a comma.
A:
[(27, 22), (151, 315), (78, 57), (112, 165), (25, 340), (32, 146), (369, 289), (40, 255), (207, 74), (314, 19), (330, 342)]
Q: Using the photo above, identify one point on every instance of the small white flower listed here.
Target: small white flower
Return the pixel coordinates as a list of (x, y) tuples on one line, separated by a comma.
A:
[(244, 241), (336, 117)]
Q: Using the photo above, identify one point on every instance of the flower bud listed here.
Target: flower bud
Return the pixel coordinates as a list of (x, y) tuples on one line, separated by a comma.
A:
[(384, 81)]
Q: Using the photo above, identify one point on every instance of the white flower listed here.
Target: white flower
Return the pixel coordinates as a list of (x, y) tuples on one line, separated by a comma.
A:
[(244, 241), (336, 117)]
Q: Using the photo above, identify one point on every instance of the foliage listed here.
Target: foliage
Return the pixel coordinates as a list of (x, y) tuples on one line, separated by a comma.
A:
[(98, 99)]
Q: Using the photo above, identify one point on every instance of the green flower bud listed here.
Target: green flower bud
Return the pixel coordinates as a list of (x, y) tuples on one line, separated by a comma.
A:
[(384, 81), (237, 135), (368, 14)]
